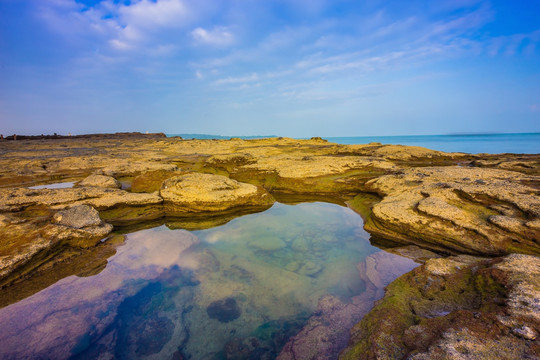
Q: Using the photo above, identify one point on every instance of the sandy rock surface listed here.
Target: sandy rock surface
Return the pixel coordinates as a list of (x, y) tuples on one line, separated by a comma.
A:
[(471, 210), (197, 192), (101, 181)]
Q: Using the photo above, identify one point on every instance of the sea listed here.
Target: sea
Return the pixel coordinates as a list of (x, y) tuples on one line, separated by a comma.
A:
[(520, 143)]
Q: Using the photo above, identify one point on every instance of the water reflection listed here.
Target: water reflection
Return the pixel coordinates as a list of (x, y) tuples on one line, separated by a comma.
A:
[(62, 185), (236, 291)]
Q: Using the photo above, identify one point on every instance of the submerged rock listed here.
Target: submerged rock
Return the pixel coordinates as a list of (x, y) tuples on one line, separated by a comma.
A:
[(224, 310)]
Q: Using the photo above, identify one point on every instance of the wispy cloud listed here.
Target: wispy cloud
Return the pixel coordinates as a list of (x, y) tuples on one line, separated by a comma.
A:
[(237, 80), (218, 36)]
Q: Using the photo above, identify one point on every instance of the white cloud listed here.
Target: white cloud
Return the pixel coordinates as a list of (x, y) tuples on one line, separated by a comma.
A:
[(120, 45), (237, 80), (150, 14), (219, 36)]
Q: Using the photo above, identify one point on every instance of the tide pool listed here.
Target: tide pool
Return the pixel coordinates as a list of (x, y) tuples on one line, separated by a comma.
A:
[(240, 290)]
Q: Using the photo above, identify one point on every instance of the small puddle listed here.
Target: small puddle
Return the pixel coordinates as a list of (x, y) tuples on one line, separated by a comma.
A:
[(240, 290), (62, 185)]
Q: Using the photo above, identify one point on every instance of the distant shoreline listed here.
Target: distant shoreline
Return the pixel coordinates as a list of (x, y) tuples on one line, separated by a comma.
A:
[(84, 136)]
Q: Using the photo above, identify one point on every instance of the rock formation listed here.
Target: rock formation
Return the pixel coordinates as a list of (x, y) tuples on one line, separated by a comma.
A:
[(451, 203)]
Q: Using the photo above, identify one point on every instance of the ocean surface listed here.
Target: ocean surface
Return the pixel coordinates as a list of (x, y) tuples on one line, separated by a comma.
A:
[(525, 143)]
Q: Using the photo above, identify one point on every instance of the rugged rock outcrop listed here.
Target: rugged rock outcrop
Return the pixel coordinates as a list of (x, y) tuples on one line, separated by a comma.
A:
[(462, 210), (482, 204), (78, 226), (456, 308)]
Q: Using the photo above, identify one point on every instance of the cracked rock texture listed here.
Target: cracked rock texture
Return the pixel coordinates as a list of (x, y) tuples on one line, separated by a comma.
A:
[(465, 210), (461, 307)]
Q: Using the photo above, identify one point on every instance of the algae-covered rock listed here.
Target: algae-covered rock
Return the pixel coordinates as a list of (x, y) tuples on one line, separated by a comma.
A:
[(460, 307), (196, 192), (224, 310), (151, 181), (102, 181)]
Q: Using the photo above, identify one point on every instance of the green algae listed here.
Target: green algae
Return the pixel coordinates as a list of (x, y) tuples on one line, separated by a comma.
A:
[(151, 181)]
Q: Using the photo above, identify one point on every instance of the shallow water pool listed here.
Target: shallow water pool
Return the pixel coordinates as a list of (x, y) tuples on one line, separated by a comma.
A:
[(62, 185), (236, 291)]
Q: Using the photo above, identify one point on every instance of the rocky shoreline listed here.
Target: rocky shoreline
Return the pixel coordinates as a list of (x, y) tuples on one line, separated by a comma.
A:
[(477, 296)]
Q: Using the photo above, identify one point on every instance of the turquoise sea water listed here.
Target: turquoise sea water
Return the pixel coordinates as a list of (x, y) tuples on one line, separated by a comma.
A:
[(236, 291), (526, 143)]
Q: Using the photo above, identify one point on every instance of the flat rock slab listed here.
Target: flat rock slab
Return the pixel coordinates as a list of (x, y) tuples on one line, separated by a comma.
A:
[(196, 192), (103, 181)]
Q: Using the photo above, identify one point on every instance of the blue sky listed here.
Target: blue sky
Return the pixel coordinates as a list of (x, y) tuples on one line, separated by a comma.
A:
[(290, 68)]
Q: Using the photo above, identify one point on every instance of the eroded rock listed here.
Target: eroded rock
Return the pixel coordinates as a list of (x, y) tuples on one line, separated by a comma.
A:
[(102, 181), (78, 217), (470, 210), (196, 192), (460, 307)]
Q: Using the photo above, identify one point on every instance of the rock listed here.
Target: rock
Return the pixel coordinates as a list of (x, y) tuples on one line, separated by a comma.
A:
[(16, 199), (525, 332), (413, 252), (467, 216), (268, 243), (151, 181), (78, 227), (325, 333), (102, 181), (381, 268), (300, 244), (459, 307), (195, 192), (78, 217), (224, 310), (310, 268)]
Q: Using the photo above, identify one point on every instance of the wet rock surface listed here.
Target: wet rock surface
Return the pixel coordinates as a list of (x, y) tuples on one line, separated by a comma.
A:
[(458, 307), (224, 310)]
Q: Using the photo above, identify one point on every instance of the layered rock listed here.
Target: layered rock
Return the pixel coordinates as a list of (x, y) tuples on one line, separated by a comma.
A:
[(78, 226), (468, 210), (196, 192), (17, 199)]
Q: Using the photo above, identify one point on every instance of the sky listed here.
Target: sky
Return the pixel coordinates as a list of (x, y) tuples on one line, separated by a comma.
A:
[(254, 67)]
